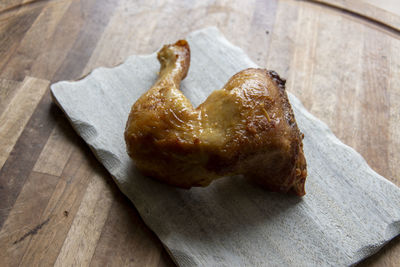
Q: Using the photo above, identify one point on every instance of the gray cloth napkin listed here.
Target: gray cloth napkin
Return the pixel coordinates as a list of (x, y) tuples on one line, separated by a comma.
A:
[(348, 213)]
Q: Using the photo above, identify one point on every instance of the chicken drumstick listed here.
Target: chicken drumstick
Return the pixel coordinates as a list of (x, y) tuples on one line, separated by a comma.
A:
[(247, 127)]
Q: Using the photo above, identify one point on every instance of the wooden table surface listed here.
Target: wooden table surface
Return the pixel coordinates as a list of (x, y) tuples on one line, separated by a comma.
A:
[(58, 205)]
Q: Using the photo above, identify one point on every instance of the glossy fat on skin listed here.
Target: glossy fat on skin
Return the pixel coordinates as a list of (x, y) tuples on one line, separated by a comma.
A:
[(247, 127)]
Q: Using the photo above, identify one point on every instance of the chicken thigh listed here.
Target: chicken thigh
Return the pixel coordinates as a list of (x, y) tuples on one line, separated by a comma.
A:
[(247, 127)]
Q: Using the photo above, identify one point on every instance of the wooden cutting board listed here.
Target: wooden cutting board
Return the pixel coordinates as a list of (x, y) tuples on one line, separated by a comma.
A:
[(57, 203)]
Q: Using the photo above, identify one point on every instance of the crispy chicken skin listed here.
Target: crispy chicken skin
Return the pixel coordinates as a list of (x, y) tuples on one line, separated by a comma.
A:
[(247, 127)]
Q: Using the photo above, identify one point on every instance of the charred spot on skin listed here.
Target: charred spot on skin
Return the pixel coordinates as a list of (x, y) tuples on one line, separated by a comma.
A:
[(277, 79)]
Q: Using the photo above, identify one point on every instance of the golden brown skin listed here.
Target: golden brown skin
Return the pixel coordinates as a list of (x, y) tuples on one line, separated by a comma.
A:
[(247, 127)]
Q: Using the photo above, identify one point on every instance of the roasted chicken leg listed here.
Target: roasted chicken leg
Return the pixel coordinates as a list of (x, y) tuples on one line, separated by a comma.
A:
[(247, 127)]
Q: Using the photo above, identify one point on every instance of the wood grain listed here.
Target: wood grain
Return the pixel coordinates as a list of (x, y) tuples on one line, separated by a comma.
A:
[(23, 156), (31, 49), (59, 206), (17, 113), (367, 10), (44, 248), (22, 224), (57, 150), (12, 29), (90, 220), (7, 92)]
